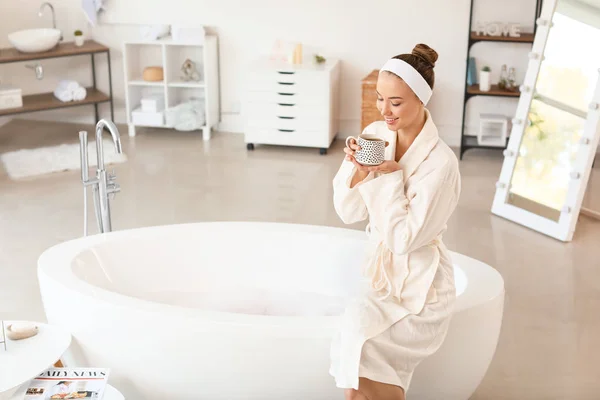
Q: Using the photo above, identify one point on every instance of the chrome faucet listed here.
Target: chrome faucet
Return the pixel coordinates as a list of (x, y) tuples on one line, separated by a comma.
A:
[(39, 70), (103, 185), (41, 13)]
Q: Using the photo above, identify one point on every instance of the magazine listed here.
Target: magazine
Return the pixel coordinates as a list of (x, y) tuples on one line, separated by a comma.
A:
[(68, 383)]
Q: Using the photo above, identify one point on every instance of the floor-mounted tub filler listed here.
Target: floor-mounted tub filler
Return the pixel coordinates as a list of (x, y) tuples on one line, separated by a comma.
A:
[(240, 310)]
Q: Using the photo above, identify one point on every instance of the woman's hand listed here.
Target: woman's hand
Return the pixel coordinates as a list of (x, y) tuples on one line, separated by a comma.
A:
[(352, 148), (385, 167)]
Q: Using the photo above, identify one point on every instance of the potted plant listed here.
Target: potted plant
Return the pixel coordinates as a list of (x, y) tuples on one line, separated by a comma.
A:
[(484, 79), (78, 38)]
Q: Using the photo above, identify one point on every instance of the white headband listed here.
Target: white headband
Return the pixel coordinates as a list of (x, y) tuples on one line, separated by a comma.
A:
[(412, 78)]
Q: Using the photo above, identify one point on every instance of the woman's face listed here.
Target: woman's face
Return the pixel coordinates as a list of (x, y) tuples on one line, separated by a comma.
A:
[(396, 102)]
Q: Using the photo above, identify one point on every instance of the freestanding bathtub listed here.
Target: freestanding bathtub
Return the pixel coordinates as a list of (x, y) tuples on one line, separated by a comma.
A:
[(240, 310)]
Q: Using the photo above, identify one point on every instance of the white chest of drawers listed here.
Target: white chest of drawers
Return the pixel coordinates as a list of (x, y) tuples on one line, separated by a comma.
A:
[(292, 105)]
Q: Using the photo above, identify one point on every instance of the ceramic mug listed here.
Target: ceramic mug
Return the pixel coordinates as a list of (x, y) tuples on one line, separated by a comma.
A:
[(372, 149)]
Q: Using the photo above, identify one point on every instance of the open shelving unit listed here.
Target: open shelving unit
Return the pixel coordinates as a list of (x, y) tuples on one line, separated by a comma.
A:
[(170, 55), (47, 101), (470, 142)]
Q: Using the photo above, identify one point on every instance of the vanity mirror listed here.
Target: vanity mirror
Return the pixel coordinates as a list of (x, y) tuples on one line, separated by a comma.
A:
[(591, 201), (555, 132)]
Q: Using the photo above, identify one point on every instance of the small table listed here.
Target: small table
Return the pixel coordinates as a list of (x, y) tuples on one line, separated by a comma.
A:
[(26, 358)]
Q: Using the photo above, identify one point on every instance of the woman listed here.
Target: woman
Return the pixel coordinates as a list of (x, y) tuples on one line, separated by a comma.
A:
[(402, 315)]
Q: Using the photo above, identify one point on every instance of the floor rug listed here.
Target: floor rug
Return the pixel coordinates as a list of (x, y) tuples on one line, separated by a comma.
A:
[(45, 160)]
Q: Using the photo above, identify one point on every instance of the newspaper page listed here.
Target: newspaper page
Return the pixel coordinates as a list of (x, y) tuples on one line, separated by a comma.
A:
[(68, 383)]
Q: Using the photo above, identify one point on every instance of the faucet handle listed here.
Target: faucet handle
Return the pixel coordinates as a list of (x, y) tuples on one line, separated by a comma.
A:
[(113, 188), (112, 176)]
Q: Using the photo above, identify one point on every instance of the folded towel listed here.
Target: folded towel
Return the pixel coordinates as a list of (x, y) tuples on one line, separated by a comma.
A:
[(79, 94), (189, 121), (67, 84), (63, 95), (186, 116), (68, 90)]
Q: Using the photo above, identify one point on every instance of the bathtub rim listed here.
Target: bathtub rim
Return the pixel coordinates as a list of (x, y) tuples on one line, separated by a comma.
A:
[(55, 264)]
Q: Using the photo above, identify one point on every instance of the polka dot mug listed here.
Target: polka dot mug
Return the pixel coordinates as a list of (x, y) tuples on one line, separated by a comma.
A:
[(372, 149)]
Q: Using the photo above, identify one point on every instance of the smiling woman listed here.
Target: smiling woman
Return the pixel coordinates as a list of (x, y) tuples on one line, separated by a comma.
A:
[(401, 316)]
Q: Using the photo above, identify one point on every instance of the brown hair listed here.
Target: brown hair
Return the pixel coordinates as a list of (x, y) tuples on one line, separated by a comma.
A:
[(422, 59)]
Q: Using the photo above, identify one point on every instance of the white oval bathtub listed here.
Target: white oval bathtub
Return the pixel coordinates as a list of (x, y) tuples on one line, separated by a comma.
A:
[(240, 310)]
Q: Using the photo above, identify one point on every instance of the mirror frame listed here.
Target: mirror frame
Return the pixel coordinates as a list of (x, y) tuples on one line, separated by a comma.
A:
[(564, 228)]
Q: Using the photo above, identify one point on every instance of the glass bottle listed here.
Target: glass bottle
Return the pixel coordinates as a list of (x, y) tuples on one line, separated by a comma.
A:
[(503, 83), (511, 84)]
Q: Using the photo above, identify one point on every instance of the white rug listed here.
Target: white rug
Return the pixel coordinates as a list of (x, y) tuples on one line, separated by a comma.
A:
[(65, 157)]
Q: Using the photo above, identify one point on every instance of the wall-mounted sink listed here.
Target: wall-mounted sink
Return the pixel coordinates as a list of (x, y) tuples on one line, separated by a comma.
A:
[(34, 40)]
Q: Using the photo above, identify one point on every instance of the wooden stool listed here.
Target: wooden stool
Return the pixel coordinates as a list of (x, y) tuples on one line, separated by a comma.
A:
[(369, 111)]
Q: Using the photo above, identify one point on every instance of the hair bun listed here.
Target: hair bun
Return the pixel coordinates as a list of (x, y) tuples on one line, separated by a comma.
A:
[(425, 53)]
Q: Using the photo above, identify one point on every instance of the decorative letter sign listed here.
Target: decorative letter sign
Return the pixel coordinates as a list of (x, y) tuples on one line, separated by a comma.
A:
[(498, 29)]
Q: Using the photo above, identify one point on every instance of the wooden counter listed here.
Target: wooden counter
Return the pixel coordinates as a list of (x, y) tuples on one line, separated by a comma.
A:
[(64, 49), (47, 101)]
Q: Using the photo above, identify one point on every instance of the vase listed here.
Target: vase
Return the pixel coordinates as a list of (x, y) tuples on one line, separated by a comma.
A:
[(484, 81), (79, 40)]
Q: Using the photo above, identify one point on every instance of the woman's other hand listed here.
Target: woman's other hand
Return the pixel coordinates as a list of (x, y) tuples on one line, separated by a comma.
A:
[(385, 167)]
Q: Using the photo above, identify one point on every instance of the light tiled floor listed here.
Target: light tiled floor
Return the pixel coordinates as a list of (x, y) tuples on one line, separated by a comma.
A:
[(550, 342)]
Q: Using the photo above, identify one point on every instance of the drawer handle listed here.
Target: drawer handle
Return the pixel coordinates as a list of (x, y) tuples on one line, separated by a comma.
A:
[(286, 83), (286, 94), (286, 72), (286, 104), (286, 130), (279, 116)]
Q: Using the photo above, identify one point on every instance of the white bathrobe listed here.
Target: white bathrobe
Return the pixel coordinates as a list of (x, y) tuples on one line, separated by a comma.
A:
[(402, 314)]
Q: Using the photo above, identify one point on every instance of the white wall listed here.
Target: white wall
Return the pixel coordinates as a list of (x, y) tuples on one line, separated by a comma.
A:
[(362, 34)]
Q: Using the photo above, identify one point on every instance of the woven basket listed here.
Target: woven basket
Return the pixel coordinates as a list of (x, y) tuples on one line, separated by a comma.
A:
[(369, 111)]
